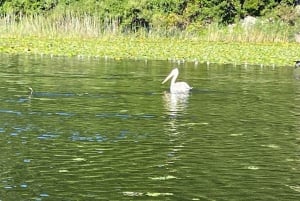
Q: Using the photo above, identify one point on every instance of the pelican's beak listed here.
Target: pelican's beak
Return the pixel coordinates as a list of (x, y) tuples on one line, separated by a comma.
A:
[(167, 78)]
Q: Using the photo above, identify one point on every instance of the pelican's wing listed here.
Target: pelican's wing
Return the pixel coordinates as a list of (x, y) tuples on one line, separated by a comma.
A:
[(180, 87)]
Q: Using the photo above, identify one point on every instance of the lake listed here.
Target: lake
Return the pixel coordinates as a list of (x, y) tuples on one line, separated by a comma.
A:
[(100, 129)]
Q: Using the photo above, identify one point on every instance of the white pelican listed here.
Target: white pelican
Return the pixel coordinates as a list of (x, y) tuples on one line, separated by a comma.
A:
[(177, 87)]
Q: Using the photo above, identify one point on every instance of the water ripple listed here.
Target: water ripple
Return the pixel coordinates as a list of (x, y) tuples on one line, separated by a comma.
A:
[(117, 140), (47, 136), (11, 112), (126, 116), (97, 138), (64, 113)]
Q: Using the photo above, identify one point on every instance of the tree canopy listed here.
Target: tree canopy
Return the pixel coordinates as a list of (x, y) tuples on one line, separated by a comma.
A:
[(165, 13)]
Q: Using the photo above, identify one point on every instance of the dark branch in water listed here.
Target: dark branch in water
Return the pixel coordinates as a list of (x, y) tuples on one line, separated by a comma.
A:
[(30, 91), (297, 64)]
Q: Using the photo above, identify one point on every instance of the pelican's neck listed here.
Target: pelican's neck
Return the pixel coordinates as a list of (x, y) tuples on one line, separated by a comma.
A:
[(174, 77)]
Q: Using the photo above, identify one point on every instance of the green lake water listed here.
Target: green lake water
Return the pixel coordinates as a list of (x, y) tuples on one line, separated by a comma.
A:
[(109, 130)]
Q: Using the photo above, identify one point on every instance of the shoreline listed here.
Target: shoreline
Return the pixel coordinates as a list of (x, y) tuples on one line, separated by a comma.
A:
[(142, 48)]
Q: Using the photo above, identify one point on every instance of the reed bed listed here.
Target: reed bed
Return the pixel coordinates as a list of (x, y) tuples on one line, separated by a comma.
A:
[(65, 26), (91, 26), (90, 36)]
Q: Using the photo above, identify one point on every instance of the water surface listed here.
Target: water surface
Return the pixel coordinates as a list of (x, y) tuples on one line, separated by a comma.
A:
[(108, 130)]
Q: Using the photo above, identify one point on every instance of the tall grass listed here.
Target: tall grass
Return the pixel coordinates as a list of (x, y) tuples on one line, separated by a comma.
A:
[(67, 25), (71, 25), (257, 33)]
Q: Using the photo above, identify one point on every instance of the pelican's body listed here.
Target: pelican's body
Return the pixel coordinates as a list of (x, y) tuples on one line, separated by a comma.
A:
[(177, 87)]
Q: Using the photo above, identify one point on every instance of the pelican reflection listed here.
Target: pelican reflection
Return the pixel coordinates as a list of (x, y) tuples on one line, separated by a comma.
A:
[(175, 103)]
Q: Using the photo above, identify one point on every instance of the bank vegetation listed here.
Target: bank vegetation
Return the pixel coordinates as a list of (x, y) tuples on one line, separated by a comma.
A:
[(144, 24)]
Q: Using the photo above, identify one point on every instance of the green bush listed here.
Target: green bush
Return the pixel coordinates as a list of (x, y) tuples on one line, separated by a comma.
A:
[(134, 15)]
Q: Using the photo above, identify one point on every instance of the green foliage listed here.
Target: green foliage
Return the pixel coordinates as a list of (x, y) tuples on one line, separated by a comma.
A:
[(284, 13), (133, 15), (253, 7), (26, 7), (208, 30), (168, 6)]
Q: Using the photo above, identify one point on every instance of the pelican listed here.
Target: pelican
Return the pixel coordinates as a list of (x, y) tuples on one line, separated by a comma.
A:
[(177, 87)]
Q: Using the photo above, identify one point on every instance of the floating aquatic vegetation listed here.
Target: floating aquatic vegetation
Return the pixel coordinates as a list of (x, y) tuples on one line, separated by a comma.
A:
[(155, 194), (158, 194), (295, 188), (63, 171), (27, 160), (79, 159), (23, 185), (177, 50), (47, 136), (236, 134), (132, 194), (44, 195), (163, 178), (273, 146), (253, 167)]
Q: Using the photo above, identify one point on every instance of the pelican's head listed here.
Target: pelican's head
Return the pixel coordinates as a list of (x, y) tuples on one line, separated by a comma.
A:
[(174, 72)]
